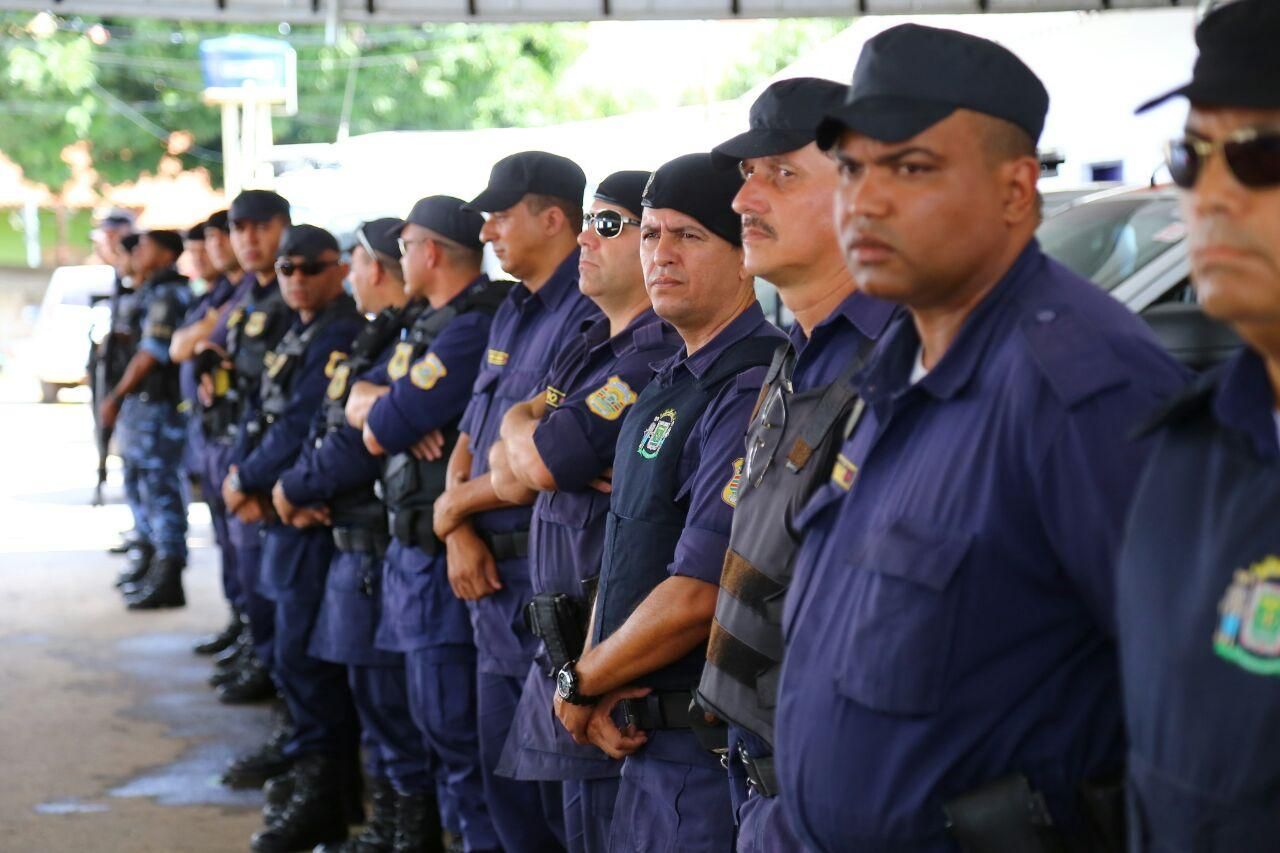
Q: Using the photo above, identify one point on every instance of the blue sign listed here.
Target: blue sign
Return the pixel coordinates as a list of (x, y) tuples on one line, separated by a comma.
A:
[(241, 61)]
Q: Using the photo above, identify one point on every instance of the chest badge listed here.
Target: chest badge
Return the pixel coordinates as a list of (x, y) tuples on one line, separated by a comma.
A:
[(427, 372), (610, 400), (338, 384), (656, 433), (498, 358), (1248, 632), (256, 324), (399, 364), (734, 487)]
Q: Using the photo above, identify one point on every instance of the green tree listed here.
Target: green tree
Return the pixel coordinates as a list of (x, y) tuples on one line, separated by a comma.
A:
[(776, 48)]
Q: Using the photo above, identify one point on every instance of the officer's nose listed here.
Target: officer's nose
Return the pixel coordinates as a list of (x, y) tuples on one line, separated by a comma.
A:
[(750, 199), (1217, 190), (488, 232)]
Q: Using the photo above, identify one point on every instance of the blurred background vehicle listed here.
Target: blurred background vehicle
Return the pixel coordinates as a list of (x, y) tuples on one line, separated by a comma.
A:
[(74, 311)]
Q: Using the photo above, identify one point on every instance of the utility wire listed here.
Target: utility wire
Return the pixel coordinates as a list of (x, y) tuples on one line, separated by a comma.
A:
[(148, 125)]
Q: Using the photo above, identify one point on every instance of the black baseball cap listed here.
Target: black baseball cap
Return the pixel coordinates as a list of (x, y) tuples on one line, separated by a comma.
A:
[(219, 221), (195, 234), (909, 78), (258, 206), (165, 239), (692, 185), (784, 118), (625, 189), (1239, 60), (307, 241), (379, 235), (451, 218), (116, 217), (514, 177)]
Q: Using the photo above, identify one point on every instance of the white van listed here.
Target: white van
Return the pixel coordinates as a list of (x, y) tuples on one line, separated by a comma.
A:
[(76, 302)]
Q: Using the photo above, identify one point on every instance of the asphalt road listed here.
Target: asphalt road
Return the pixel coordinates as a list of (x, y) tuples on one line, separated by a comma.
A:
[(109, 738)]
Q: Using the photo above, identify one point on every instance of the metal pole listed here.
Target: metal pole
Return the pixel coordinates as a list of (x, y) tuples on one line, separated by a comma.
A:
[(231, 178)]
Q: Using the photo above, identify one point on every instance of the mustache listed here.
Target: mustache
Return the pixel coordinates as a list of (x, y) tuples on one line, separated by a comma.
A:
[(1219, 232), (750, 220)]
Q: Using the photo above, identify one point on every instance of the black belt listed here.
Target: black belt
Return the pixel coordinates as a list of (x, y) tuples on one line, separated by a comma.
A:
[(415, 527), (360, 540), (761, 776), (507, 546), (674, 709)]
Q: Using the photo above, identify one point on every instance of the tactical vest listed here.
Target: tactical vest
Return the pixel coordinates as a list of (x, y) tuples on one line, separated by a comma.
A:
[(162, 384), (791, 446), (283, 362), (410, 485), (254, 329), (646, 515)]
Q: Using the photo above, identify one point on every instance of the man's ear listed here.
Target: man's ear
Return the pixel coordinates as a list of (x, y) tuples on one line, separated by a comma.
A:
[(1021, 199)]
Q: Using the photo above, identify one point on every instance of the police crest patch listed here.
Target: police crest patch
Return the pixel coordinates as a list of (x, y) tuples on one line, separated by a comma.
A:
[(427, 372), (338, 384), (1248, 631), (843, 472), (656, 433), (610, 400), (399, 364), (734, 487), (256, 324)]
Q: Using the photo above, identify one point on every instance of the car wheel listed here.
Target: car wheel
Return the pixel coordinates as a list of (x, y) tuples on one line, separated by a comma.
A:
[(49, 392)]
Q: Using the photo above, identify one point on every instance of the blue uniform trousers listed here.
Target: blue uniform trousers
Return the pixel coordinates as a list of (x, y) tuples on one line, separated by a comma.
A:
[(588, 813), (246, 540), (294, 566), (394, 746), (133, 497), (151, 437), (222, 538)]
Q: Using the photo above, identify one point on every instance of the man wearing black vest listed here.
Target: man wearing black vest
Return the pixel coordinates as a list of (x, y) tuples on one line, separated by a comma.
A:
[(675, 479)]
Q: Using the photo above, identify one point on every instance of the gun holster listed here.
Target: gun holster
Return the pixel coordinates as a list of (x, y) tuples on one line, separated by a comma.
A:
[(558, 620), (1004, 816)]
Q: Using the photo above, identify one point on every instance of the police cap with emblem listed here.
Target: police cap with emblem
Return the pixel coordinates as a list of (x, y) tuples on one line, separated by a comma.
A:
[(694, 186), (784, 118), (451, 218), (195, 234), (625, 189), (219, 221), (169, 240), (307, 241), (378, 236), (1239, 61), (258, 206), (514, 177), (909, 78)]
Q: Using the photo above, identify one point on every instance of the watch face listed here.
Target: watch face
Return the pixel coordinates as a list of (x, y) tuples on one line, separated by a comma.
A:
[(564, 683)]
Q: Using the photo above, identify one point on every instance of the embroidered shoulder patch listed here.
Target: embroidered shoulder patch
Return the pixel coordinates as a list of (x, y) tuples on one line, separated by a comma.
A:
[(656, 433), (1248, 631), (427, 372), (554, 397), (256, 324), (734, 487), (399, 364), (336, 357), (610, 400), (498, 358), (338, 384), (843, 472)]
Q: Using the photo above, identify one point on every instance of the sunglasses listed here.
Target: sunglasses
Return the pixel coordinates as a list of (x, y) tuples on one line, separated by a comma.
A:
[(607, 223), (287, 268), (1253, 157)]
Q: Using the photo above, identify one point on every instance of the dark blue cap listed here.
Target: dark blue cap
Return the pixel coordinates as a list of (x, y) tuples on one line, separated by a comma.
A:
[(909, 78), (451, 218), (694, 186), (784, 118), (379, 235), (219, 221), (258, 206), (625, 189), (170, 240), (307, 241), (1239, 60), (195, 234), (514, 177)]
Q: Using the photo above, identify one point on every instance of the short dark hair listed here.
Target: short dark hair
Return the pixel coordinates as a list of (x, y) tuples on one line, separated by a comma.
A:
[(389, 265), (538, 202)]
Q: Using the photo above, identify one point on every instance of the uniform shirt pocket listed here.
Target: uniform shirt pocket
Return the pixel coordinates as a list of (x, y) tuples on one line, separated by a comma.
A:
[(898, 635)]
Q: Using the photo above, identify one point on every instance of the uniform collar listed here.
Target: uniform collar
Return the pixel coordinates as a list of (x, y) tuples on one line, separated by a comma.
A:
[(700, 362), (870, 316), (1243, 401), (165, 275), (479, 281), (557, 288), (892, 370)]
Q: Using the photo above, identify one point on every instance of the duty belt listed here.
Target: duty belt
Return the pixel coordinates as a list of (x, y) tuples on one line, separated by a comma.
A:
[(507, 546), (761, 776), (674, 709), (360, 540), (414, 527)]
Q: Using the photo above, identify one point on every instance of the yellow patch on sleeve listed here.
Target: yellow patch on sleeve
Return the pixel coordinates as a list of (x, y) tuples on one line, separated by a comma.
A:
[(498, 358), (399, 364), (554, 397), (338, 384), (610, 400), (734, 487), (335, 358), (427, 372)]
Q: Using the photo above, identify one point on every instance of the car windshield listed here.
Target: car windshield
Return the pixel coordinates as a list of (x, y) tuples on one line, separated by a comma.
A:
[(1108, 241)]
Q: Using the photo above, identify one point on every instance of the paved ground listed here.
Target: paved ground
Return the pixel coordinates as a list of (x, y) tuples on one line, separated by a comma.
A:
[(109, 738)]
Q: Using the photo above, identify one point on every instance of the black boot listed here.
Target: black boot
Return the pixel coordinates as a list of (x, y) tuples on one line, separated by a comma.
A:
[(243, 643), (255, 768), (418, 827), (378, 835), (314, 814), (139, 555), (276, 793), (222, 640), (252, 684), (162, 586), (127, 540)]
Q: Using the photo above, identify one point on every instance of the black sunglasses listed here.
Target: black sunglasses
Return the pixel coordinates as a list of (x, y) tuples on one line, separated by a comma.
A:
[(287, 268), (607, 223), (1253, 156)]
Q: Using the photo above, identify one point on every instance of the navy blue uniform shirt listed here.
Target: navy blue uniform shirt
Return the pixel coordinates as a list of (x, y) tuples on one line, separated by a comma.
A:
[(951, 617), (1199, 604), (835, 341)]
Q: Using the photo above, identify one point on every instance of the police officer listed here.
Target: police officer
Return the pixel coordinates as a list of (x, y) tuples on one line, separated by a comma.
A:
[(253, 328), (556, 445), (152, 430), (408, 411), (534, 207), (950, 677), (789, 239), (1198, 601), (333, 482), (675, 475)]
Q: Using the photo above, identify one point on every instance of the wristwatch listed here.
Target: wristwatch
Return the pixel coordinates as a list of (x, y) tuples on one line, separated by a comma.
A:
[(567, 686)]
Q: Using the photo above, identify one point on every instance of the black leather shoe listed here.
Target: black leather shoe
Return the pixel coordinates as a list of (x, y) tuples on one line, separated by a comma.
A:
[(276, 793), (139, 555), (222, 640), (418, 828), (254, 769), (242, 645), (252, 685), (378, 835), (127, 540), (161, 586), (314, 814)]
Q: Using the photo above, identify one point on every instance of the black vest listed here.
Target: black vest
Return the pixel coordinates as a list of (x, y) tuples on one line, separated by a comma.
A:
[(646, 516), (410, 485), (253, 330), (791, 445), (162, 382)]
